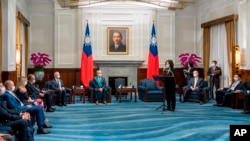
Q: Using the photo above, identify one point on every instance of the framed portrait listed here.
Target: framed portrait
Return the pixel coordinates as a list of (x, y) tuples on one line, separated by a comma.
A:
[(118, 40)]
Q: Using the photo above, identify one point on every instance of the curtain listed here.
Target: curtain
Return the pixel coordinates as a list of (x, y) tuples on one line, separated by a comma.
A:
[(218, 51), (206, 50), (230, 31)]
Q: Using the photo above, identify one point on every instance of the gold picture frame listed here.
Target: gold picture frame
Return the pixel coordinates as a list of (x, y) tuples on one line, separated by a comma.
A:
[(117, 40)]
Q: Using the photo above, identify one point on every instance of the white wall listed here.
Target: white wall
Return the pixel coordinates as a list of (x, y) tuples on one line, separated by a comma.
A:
[(9, 35), (41, 16), (60, 32)]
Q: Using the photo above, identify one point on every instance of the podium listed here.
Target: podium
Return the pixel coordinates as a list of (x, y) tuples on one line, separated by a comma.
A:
[(167, 80)]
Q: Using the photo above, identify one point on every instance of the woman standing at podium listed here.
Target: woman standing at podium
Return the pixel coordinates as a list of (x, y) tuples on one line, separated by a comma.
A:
[(170, 87)]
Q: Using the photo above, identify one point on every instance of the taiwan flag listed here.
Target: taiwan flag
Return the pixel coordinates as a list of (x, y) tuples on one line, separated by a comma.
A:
[(87, 59), (153, 60)]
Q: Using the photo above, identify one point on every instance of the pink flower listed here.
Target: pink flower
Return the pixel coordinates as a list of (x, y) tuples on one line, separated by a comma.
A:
[(186, 58), (40, 59)]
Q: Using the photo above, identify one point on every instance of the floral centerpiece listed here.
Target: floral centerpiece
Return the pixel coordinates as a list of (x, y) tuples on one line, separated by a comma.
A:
[(40, 60), (186, 58)]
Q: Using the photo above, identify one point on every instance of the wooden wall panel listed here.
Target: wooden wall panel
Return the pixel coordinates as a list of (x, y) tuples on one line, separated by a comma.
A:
[(245, 75), (9, 75), (71, 76)]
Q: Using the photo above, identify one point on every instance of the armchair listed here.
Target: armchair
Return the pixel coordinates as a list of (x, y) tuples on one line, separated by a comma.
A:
[(240, 96), (149, 91), (195, 97), (92, 90)]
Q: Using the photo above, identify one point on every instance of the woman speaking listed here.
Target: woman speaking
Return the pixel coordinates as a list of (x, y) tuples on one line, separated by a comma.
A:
[(170, 87)]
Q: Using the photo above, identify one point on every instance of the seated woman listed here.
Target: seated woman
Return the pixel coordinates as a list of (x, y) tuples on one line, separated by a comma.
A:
[(22, 94)]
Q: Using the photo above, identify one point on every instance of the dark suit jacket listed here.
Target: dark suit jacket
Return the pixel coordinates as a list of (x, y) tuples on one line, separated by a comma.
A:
[(215, 77), (103, 82), (121, 48), (240, 87), (199, 84), (12, 102), (7, 114), (171, 73), (33, 91), (54, 85)]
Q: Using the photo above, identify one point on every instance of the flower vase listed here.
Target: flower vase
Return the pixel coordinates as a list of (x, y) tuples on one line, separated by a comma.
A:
[(39, 75)]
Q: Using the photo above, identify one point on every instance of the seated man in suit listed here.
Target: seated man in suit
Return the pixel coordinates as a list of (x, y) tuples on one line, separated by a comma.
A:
[(100, 84), (14, 103), (16, 121), (60, 91), (246, 104), (35, 92), (223, 95), (194, 85)]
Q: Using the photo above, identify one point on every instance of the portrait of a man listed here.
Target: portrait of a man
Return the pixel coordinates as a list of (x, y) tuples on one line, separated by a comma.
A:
[(117, 40)]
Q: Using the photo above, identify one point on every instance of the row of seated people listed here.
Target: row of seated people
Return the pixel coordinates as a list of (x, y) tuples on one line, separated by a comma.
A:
[(224, 96), (16, 114)]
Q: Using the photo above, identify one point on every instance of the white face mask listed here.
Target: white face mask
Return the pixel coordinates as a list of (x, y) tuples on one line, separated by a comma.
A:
[(195, 75), (13, 88), (2, 90), (25, 83), (167, 66), (34, 81), (236, 79), (99, 74)]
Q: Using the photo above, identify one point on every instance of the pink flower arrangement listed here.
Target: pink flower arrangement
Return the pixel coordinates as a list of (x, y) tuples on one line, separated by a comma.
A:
[(40, 60), (186, 58)]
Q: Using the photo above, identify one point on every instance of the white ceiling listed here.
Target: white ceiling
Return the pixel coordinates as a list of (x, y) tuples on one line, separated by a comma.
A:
[(165, 4)]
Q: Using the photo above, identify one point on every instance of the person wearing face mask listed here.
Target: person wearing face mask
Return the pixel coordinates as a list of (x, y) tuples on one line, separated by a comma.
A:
[(15, 104), (214, 73), (188, 73), (35, 92), (194, 85), (170, 88), (223, 95), (60, 90), (101, 89)]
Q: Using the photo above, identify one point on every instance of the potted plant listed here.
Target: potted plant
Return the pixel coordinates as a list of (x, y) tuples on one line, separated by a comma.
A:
[(40, 60)]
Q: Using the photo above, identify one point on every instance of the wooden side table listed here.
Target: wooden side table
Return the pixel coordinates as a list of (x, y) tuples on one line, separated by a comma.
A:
[(77, 91), (120, 91)]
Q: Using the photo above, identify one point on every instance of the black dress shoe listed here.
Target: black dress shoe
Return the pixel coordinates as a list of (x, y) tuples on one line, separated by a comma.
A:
[(47, 126), (53, 108), (59, 104), (245, 112), (41, 130), (50, 110)]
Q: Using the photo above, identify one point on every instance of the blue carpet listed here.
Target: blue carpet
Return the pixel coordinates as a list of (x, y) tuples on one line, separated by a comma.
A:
[(141, 121)]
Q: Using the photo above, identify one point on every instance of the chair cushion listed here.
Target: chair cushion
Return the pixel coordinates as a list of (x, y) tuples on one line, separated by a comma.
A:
[(151, 85)]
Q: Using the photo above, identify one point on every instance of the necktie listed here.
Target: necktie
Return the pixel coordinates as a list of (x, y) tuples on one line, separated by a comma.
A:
[(234, 85), (195, 82), (59, 83)]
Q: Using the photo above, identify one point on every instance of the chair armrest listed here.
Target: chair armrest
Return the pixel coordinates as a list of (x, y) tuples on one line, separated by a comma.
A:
[(68, 90), (141, 88), (160, 88)]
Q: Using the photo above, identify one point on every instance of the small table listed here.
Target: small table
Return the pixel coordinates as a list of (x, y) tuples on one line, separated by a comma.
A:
[(77, 91), (130, 90)]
